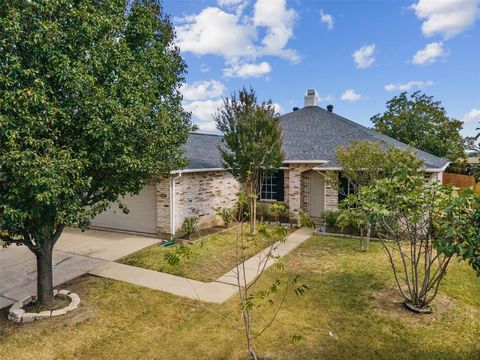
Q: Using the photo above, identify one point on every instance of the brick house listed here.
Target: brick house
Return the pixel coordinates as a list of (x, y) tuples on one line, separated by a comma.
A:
[(311, 136)]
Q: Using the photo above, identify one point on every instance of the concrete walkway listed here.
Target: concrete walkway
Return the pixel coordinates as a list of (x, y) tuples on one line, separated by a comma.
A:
[(75, 254), (217, 291)]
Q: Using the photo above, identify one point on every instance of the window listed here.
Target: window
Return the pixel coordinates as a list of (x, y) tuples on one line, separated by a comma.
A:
[(271, 186), (345, 187)]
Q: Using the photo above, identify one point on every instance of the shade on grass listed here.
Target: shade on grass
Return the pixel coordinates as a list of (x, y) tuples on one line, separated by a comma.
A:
[(351, 297)]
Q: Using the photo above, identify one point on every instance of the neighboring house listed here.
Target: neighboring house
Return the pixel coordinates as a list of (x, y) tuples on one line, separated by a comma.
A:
[(311, 136)]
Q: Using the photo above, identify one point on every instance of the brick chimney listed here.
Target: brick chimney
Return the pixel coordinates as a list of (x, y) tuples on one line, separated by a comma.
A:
[(311, 99)]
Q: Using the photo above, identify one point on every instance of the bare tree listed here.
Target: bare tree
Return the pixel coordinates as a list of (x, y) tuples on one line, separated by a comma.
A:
[(259, 305)]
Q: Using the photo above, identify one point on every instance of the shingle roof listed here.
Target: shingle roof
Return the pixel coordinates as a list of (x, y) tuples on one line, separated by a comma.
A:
[(202, 151), (313, 133)]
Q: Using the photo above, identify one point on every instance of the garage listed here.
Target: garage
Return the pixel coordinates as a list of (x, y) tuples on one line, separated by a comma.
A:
[(142, 216)]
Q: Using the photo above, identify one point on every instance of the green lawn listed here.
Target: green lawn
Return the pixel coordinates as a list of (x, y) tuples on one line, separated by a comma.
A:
[(352, 296), (209, 258)]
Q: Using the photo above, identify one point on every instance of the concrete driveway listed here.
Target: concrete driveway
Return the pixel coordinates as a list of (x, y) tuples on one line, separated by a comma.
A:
[(75, 254)]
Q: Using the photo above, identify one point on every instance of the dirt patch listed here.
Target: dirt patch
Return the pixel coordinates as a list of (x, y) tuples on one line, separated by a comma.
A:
[(389, 302), (58, 303)]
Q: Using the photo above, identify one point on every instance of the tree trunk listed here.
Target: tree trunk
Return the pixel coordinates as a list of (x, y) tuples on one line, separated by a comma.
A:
[(253, 216), (369, 234), (251, 351), (248, 328), (45, 276)]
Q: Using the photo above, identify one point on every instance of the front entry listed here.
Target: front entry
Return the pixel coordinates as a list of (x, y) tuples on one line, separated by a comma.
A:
[(317, 194)]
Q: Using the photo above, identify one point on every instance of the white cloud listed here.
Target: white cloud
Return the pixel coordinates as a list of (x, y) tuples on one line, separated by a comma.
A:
[(351, 95), (204, 68), (229, 2), (365, 56), (238, 37), (279, 21), (214, 31), (236, 5), (472, 116), (328, 98), (429, 54), (446, 17), (204, 111), (327, 19), (278, 108), (247, 70), (202, 90), (409, 85)]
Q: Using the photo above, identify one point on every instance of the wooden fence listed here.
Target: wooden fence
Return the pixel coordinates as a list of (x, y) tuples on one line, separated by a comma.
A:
[(461, 181)]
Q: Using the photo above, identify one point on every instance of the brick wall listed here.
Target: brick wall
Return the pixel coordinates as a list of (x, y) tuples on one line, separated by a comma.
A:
[(163, 207), (331, 198), (199, 194), (286, 177), (295, 190), (306, 190)]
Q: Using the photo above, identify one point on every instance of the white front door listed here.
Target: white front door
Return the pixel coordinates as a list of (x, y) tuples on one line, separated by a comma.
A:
[(317, 194)]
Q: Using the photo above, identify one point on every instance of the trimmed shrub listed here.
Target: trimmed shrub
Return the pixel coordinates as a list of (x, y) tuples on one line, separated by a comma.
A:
[(189, 226), (263, 212), (278, 211), (330, 218)]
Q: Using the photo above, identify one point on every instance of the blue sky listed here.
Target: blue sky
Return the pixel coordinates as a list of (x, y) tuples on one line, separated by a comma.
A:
[(356, 54)]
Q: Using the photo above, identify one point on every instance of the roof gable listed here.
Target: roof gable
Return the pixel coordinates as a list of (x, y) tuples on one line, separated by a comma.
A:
[(202, 151), (309, 134), (313, 133)]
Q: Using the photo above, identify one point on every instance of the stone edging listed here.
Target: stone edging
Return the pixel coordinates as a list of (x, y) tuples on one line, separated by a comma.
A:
[(18, 315)]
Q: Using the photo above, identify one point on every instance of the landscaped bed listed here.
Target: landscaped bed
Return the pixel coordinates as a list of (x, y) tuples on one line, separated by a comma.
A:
[(210, 257), (352, 311)]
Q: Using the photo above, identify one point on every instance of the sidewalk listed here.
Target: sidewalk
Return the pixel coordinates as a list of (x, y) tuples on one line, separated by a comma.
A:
[(217, 291)]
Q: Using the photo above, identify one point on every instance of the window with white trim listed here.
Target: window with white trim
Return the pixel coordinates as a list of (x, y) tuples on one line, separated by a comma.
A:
[(271, 186)]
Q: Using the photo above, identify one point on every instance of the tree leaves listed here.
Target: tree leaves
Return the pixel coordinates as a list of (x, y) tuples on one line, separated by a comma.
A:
[(90, 109), (252, 135), (174, 257), (422, 122)]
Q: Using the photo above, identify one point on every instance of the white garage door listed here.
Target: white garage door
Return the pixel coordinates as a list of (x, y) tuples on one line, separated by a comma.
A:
[(142, 216)]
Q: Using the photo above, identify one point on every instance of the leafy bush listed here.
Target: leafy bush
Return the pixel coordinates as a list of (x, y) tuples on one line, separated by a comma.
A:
[(330, 218), (279, 211), (241, 211), (304, 220), (226, 215), (189, 226), (263, 212)]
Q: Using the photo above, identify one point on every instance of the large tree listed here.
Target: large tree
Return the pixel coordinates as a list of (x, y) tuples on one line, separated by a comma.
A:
[(422, 122), (253, 140), (90, 109)]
